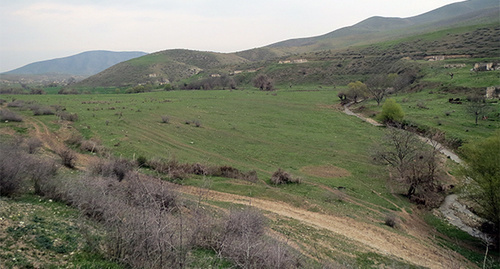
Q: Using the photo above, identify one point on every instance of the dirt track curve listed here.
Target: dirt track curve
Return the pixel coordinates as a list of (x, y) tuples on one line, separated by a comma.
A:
[(369, 237), (372, 237)]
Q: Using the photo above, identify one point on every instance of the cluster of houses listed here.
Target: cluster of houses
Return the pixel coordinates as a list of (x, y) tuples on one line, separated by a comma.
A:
[(485, 67), (297, 61)]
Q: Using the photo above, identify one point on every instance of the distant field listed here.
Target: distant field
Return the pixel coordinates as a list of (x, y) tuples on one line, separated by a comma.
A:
[(249, 130), (430, 108), (301, 130)]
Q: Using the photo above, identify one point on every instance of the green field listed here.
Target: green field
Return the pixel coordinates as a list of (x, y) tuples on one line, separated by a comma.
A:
[(302, 130), (249, 130)]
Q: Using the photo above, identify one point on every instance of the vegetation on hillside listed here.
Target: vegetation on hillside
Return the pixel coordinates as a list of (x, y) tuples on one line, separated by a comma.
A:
[(158, 174)]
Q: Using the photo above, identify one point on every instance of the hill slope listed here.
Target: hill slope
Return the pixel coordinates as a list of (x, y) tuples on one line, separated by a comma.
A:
[(377, 29), (82, 64), (174, 65), (162, 67)]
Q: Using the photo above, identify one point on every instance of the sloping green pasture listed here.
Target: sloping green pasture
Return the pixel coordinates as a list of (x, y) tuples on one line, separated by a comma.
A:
[(249, 130)]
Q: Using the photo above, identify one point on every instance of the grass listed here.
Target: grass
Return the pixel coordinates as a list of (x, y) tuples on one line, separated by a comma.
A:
[(461, 242), (430, 109), (249, 130), (40, 233), (253, 130)]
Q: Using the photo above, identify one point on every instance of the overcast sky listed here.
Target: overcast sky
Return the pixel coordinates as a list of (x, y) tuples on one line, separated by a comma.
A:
[(33, 30)]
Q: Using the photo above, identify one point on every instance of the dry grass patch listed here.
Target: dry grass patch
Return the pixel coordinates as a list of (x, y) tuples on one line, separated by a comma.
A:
[(325, 171)]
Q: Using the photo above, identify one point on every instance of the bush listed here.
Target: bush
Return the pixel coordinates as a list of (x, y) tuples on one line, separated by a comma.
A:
[(244, 243), (42, 173), (142, 161), (68, 157), (63, 115), (33, 144), (13, 169), (16, 103), (40, 110), (17, 168), (282, 177), (165, 119), (93, 146), (75, 139), (391, 220), (231, 172), (7, 115), (112, 168), (391, 112)]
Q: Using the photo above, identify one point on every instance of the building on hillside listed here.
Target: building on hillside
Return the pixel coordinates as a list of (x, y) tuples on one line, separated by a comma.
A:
[(485, 67), (445, 57), (493, 92)]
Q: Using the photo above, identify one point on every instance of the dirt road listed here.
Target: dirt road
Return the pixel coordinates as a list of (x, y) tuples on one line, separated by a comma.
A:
[(369, 237)]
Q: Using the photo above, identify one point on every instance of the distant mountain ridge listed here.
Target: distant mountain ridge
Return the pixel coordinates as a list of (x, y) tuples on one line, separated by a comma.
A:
[(467, 12), (172, 66), (83, 64)]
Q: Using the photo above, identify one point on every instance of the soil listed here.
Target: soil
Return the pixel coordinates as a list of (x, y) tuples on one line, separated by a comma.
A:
[(369, 237)]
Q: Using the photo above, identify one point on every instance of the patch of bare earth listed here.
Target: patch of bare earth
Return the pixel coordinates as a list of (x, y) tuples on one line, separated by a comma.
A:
[(55, 141), (369, 237)]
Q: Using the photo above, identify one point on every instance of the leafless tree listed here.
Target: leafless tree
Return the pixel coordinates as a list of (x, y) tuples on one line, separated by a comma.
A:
[(414, 162), (477, 107), (377, 87)]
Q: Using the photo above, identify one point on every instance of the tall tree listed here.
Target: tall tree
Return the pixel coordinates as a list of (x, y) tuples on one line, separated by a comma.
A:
[(356, 91), (482, 174)]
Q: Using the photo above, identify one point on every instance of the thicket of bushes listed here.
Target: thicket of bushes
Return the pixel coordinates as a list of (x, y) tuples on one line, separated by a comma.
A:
[(7, 115), (147, 223), (176, 170)]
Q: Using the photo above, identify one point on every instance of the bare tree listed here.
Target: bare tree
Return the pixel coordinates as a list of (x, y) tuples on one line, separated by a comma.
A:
[(477, 106), (414, 163), (377, 87)]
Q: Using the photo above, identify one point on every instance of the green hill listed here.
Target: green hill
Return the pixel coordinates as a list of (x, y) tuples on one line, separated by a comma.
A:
[(83, 64), (376, 29), (371, 46), (162, 67)]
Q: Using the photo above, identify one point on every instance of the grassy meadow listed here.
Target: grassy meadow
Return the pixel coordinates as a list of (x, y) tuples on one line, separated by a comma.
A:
[(295, 130), (300, 129), (430, 109)]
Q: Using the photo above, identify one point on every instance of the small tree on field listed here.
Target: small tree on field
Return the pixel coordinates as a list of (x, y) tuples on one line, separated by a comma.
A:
[(356, 90), (477, 106), (264, 83), (391, 112)]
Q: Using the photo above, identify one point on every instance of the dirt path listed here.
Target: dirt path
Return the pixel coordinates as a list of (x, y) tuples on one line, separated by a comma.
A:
[(55, 142), (420, 252), (370, 121), (451, 207), (368, 237), (437, 145)]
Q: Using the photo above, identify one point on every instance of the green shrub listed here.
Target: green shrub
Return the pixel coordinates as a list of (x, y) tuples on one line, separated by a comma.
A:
[(391, 112)]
